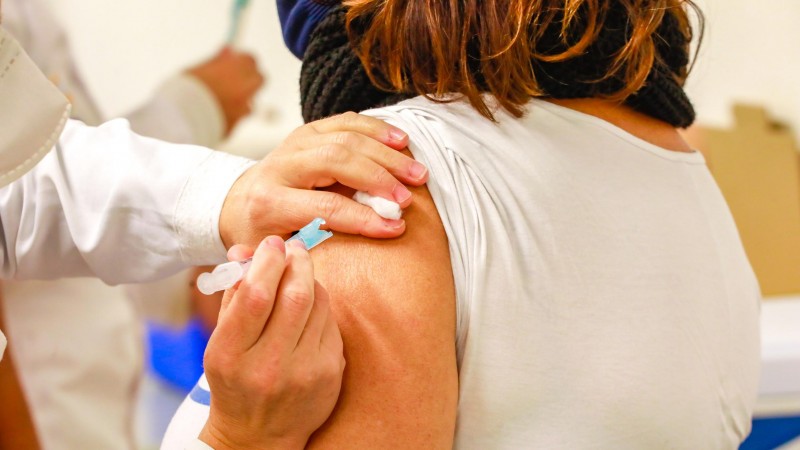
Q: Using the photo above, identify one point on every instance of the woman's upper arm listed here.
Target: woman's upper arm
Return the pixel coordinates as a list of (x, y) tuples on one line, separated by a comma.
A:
[(395, 303)]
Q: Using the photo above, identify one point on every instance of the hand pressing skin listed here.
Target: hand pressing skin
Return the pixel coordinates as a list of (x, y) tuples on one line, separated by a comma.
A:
[(277, 195), (233, 77), (274, 363)]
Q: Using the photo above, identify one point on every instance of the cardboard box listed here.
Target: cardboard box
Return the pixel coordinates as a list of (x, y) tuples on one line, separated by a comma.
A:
[(757, 167)]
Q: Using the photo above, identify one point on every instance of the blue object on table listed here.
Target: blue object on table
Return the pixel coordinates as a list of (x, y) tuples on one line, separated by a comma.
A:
[(770, 433), (176, 355)]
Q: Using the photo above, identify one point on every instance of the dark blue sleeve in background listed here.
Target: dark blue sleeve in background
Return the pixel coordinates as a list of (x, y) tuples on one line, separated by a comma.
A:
[(298, 20)]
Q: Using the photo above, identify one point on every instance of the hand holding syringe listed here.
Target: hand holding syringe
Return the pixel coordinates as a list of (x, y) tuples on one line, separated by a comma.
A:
[(225, 276)]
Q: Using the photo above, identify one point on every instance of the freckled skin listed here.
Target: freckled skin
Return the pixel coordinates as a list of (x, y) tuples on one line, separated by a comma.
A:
[(395, 303)]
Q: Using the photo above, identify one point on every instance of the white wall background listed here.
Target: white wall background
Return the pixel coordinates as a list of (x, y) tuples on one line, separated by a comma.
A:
[(126, 47), (751, 54)]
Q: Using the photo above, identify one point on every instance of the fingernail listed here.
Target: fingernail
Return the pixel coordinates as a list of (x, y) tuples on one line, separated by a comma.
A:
[(400, 193), (418, 170), (393, 224), (276, 243), (396, 134), (297, 243)]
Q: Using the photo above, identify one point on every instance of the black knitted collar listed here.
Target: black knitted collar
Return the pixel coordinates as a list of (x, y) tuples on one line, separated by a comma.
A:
[(333, 80)]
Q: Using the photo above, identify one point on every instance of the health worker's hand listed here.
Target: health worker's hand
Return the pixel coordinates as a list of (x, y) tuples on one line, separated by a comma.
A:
[(233, 77), (278, 196), (274, 363)]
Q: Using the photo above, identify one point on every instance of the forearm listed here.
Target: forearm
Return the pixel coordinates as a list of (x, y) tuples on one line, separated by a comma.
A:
[(16, 424), (109, 203), (183, 111)]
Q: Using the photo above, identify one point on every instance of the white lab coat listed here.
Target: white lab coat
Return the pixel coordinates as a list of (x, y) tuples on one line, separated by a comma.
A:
[(140, 210), (30, 125), (79, 354)]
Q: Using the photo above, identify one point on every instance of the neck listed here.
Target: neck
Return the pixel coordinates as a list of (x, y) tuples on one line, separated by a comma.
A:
[(640, 125)]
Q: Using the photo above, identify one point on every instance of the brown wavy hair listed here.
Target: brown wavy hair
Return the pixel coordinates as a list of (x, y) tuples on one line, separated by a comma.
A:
[(438, 47)]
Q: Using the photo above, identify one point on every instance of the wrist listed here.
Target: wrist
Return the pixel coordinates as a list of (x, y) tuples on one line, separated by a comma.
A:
[(220, 438), (233, 210), (226, 224), (214, 439)]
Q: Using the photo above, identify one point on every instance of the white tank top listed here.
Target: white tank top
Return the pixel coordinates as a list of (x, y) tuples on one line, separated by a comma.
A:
[(604, 299)]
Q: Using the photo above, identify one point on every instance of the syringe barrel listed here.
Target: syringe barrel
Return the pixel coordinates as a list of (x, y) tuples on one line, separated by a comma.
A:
[(224, 276)]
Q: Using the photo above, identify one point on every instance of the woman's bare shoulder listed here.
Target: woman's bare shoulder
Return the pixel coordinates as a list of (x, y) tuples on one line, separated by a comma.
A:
[(395, 303)]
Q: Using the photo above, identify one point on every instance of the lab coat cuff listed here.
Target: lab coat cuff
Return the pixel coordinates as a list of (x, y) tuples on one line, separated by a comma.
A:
[(199, 107), (197, 444), (200, 204)]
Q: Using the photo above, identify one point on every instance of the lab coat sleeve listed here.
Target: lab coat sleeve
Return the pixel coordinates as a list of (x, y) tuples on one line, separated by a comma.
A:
[(109, 203), (183, 111)]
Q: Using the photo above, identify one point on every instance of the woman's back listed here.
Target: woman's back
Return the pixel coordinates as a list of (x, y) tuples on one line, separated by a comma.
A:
[(603, 296), (591, 283)]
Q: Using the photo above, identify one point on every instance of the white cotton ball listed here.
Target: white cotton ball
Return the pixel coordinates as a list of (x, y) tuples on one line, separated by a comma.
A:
[(385, 208)]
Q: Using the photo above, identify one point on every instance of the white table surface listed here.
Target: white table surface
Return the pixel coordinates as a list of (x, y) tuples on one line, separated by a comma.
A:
[(779, 390)]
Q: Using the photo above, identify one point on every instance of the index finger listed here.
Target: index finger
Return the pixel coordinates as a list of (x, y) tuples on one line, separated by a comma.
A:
[(359, 123), (251, 304), (294, 300), (239, 252)]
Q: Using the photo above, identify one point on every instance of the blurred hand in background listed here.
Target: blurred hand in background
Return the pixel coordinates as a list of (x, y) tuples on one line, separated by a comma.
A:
[(233, 77)]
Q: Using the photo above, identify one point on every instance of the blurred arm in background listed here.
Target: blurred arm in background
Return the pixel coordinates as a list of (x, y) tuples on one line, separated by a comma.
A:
[(16, 426)]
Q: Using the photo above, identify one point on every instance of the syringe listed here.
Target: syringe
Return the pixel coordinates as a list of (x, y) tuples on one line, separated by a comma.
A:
[(225, 276), (239, 6)]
